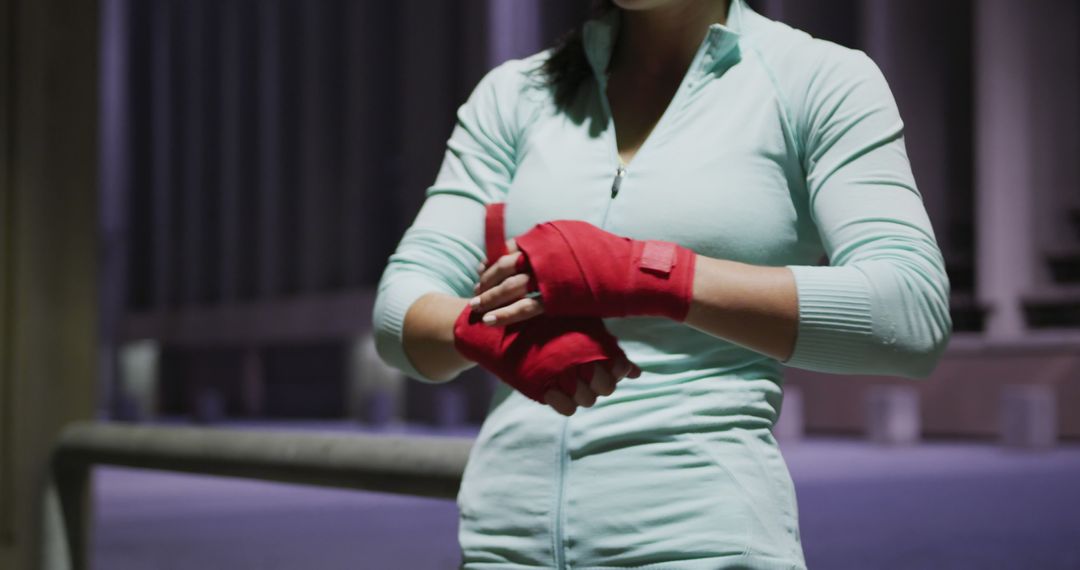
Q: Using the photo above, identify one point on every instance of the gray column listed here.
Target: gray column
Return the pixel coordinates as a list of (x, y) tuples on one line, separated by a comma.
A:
[(369, 137), (270, 152), (139, 373), (514, 29), (1007, 260), (427, 97), (231, 104), (317, 163), (193, 228), (162, 161), (115, 176)]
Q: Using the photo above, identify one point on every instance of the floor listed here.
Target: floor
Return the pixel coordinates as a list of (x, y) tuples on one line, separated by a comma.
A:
[(937, 505)]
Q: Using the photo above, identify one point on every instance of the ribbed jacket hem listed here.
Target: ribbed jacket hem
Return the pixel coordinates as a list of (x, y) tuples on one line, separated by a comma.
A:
[(835, 318), (389, 321)]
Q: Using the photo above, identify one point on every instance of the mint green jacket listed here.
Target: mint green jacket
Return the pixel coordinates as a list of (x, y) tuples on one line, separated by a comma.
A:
[(777, 148)]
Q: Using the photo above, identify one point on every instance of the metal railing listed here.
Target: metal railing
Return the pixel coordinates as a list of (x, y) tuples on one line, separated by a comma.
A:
[(423, 466)]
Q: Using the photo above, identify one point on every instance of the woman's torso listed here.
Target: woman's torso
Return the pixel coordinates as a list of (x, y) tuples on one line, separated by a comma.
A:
[(678, 467)]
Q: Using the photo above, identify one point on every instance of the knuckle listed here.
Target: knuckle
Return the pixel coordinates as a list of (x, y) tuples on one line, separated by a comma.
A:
[(518, 281), (494, 293), (523, 309)]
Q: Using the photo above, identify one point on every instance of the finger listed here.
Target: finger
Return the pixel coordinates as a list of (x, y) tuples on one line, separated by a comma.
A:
[(602, 377), (603, 385), (584, 396), (511, 246), (502, 268), (634, 372), (513, 288), (520, 310), (619, 368), (560, 402)]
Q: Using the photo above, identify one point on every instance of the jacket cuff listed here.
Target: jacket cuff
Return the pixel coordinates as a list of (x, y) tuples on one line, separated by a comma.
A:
[(835, 331), (389, 324)]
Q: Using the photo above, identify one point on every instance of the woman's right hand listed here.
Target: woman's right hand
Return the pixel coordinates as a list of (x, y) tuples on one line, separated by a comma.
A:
[(593, 381), (563, 363)]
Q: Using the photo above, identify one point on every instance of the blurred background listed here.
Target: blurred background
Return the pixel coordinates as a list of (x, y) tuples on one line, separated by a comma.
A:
[(197, 198)]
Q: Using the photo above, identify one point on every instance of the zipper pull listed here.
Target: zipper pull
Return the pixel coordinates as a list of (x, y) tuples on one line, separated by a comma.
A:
[(617, 183)]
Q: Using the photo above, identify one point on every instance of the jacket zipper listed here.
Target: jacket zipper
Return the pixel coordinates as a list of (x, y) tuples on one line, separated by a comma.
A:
[(620, 167), (560, 559), (616, 185), (620, 172)]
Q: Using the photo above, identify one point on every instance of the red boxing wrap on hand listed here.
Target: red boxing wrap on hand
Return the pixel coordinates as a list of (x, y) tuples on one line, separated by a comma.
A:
[(538, 354), (584, 271)]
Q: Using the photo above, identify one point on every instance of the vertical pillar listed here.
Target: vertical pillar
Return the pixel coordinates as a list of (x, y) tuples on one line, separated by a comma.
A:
[(1054, 63), (162, 159), (238, 197), (892, 414), (270, 282), (427, 98), (376, 391), (139, 376), (1006, 260), (49, 178), (115, 176), (514, 30), (369, 229), (193, 230), (1028, 416), (232, 212), (317, 163)]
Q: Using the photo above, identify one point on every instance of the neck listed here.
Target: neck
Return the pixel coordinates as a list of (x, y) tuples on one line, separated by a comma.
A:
[(664, 40)]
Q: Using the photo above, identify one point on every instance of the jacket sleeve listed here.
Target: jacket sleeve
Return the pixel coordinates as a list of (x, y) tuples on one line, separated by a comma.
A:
[(882, 306), (439, 252)]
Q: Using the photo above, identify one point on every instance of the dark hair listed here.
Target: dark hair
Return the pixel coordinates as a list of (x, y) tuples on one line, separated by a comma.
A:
[(567, 67)]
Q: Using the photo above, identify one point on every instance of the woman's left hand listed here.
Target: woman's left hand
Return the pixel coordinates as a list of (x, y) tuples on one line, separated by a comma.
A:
[(501, 293)]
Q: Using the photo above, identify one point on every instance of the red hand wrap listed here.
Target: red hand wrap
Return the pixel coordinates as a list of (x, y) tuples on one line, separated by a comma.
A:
[(584, 271), (535, 355)]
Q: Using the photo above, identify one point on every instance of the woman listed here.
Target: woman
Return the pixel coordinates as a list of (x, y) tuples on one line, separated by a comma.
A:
[(695, 160)]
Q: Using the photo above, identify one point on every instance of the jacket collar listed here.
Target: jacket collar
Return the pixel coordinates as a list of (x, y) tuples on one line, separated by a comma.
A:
[(721, 40)]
